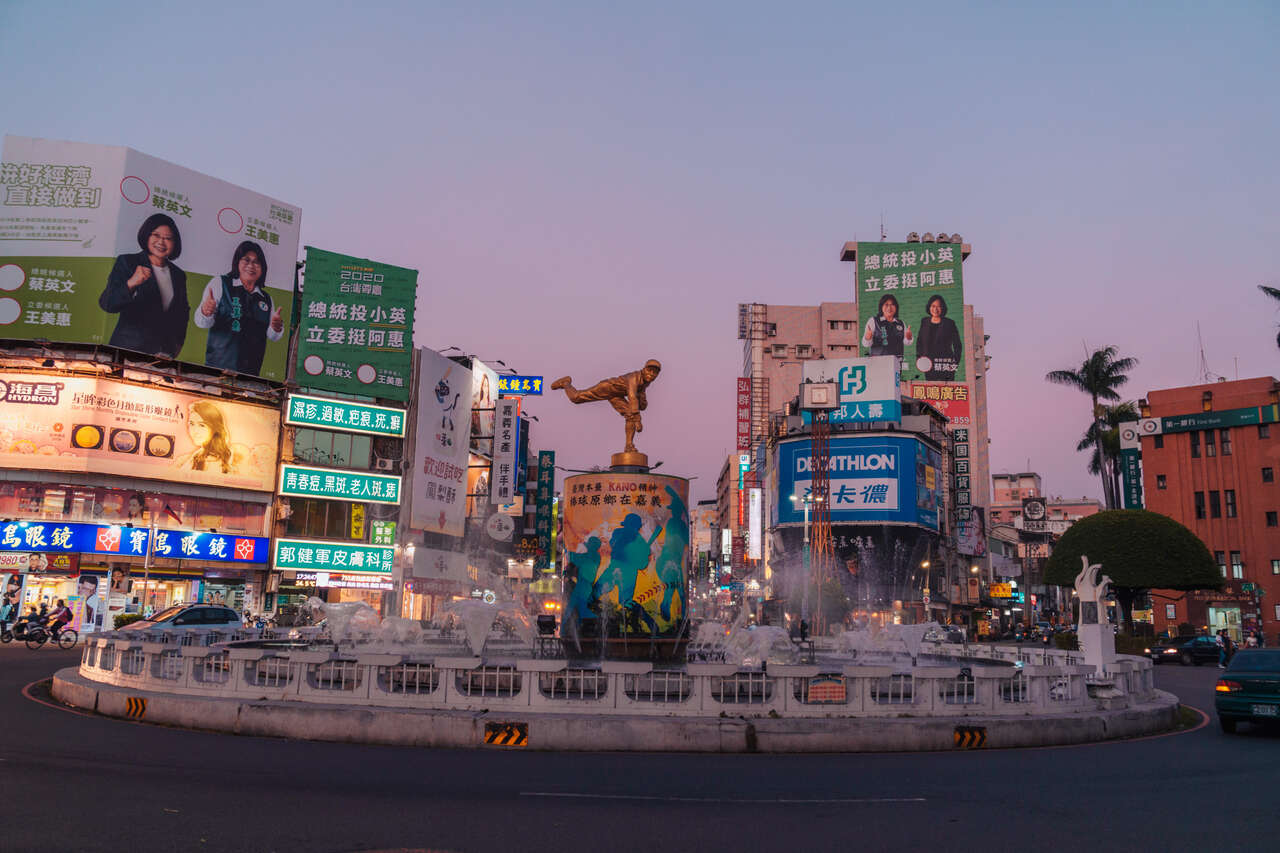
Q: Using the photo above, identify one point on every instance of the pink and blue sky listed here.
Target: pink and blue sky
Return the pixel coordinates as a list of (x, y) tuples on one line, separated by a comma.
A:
[(584, 187)]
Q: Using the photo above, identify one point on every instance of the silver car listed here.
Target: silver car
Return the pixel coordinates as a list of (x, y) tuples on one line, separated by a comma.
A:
[(197, 618)]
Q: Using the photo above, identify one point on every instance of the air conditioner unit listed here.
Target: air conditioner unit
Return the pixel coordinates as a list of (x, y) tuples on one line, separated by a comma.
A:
[(386, 464)]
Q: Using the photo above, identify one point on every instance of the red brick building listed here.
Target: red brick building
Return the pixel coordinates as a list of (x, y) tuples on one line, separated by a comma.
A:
[(1211, 465)]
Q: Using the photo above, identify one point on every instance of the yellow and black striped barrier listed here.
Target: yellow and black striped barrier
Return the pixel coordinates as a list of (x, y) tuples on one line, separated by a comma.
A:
[(970, 737), (506, 734), (135, 707)]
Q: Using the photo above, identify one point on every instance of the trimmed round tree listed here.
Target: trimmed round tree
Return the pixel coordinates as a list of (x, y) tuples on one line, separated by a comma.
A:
[(1139, 550)]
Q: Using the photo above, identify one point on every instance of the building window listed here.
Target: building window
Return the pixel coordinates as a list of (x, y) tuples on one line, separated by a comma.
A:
[(1272, 520), (1159, 442), (803, 351), (1229, 498), (1210, 447), (1225, 436), (1275, 567), (1264, 430), (779, 350), (330, 519), (1161, 481), (1215, 505), (336, 449), (1195, 445), (833, 324), (1220, 558), (1199, 498), (1278, 611), (1268, 475), (1237, 567), (1171, 611)]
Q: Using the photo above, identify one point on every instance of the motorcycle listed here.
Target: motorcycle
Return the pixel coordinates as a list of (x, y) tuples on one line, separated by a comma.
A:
[(18, 630)]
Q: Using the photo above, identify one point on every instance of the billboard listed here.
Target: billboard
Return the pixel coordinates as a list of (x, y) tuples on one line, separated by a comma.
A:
[(911, 301), (69, 537), (868, 388), (356, 334), (950, 398), (743, 403), (971, 534), (872, 479), (107, 245), (438, 488), (484, 395), (307, 482), (627, 536), (506, 440), (307, 411), (545, 496), (83, 423)]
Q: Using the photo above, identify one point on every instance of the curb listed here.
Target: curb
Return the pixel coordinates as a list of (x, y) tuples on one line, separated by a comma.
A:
[(585, 733)]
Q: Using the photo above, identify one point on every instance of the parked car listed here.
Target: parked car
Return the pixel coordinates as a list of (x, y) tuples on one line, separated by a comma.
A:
[(199, 618), (1185, 650), (1249, 691), (946, 634)]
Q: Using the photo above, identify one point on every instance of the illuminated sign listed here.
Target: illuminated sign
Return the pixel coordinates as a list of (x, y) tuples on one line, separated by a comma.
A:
[(75, 537), (302, 481), (520, 386), (330, 580), (315, 556), (304, 410)]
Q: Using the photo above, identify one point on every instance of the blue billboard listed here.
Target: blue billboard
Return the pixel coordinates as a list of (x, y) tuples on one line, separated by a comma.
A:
[(872, 479), (76, 537)]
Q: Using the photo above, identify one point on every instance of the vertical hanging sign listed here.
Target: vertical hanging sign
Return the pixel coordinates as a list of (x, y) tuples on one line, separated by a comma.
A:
[(506, 439), (542, 521), (744, 413)]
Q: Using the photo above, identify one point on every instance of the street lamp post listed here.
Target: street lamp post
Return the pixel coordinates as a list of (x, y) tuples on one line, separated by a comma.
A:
[(804, 601)]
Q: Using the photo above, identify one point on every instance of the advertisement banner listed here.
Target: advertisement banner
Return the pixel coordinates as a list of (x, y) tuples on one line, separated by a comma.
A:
[(484, 381), (911, 297), (868, 388), (627, 537), (873, 479), (356, 334), (323, 413), (11, 585), (1034, 514), (315, 555), (755, 517), (438, 489), (971, 534), (50, 538), (546, 493), (107, 245), (306, 482), (519, 386), (437, 564), (87, 424), (743, 402), (950, 398), (506, 438)]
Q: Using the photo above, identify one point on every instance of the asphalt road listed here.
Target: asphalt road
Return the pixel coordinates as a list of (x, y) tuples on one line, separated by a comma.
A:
[(74, 782)]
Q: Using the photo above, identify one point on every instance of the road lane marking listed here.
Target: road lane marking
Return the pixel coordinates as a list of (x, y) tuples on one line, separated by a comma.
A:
[(721, 800)]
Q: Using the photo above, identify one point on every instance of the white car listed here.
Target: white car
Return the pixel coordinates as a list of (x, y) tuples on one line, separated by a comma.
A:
[(197, 618)]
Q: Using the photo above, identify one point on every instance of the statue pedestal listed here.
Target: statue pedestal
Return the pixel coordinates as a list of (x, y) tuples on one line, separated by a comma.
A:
[(630, 461), (1097, 644)]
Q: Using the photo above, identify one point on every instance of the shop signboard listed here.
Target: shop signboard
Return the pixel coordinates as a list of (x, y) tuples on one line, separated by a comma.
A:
[(903, 288), (885, 479), (1215, 420), (87, 424), (633, 528), (506, 439), (755, 517), (542, 518), (438, 498), (1000, 590), (74, 232), (356, 332), (307, 411), (343, 580), (869, 388), (357, 522), (743, 403), (315, 555), (382, 532), (519, 386), (950, 398), (1034, 514), (437, 564), (71, 537), (304, 481)]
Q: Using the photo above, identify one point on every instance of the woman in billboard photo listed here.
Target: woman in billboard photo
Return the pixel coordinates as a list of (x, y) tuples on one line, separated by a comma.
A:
[(938, 343), (207, 429), (149, 292), (885, 334), (239, 313)]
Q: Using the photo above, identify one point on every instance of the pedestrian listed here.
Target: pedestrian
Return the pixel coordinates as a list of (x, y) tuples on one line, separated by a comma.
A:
[(1251, 641), (1221, 640)]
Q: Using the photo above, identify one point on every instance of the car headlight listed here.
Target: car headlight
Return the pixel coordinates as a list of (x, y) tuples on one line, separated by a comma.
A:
[(1146, 651)]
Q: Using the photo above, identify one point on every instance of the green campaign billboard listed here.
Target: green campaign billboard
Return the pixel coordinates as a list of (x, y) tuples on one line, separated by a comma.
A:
[(106, 245), (356, 333), (911, 304)]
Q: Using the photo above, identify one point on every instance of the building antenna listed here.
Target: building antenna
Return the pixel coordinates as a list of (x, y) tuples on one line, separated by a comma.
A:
[(1205, 375)]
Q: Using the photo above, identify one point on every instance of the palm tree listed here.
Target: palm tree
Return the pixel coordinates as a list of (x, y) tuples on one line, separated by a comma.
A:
[(1274, 293), (1109, 447), (1099, 377)]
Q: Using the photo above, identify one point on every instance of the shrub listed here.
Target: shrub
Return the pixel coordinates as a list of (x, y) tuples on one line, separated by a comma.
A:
[(126, 619)]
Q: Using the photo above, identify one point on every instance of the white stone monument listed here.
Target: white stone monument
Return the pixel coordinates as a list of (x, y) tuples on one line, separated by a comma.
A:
[(1097, 640)]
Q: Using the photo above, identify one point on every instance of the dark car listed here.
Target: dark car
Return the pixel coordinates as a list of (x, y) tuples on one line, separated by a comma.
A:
[(1249, 691), (1185, 650)]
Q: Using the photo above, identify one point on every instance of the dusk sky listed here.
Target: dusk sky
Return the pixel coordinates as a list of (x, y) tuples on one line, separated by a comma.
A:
[(582, 189)]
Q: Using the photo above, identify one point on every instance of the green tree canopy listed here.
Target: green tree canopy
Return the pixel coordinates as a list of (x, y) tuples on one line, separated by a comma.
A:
[(1139, 550)]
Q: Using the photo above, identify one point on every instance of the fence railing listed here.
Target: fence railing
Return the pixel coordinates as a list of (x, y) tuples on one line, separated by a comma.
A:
[(1046, 683)]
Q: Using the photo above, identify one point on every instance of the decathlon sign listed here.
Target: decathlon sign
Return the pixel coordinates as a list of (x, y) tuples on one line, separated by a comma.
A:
[(870, 479), (869, 388)]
